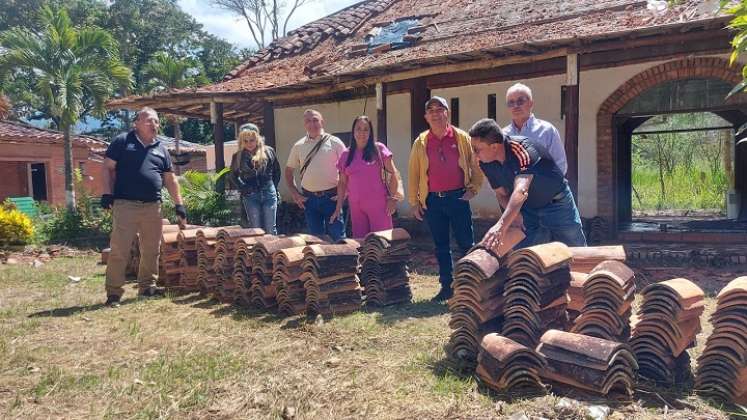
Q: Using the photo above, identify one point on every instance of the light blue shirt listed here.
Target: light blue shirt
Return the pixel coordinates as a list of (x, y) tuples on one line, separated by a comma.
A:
[(543, 135)]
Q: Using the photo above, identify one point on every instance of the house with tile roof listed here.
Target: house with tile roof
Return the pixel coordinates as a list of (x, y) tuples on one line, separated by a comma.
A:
[(598, 68), (32, 162)]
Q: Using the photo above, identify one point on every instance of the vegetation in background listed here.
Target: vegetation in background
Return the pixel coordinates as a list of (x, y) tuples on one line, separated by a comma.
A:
[(87, 225), (15, 227), (681, 171), (205, 205), (75, 71)]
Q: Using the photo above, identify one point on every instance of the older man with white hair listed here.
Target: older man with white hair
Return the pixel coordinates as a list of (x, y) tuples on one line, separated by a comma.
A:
[(540, 133)]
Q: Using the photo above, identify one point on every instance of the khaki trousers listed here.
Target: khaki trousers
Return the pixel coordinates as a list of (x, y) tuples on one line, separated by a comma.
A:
[(130, 218)]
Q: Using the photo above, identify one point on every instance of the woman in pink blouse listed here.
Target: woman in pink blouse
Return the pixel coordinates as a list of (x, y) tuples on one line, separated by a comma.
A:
[(366, 168)]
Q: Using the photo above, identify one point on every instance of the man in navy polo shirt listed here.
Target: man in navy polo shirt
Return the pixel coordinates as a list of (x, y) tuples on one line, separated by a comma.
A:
[(137, 167), (526, 183)]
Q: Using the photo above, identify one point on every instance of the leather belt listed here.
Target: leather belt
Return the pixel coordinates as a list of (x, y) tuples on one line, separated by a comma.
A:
[(319, 193), (442, 194)]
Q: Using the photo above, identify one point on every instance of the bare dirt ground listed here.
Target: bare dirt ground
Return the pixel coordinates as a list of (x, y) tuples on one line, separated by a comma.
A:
[(64, 355)]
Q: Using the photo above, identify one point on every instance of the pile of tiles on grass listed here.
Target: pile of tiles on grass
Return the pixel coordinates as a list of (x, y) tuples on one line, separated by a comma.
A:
[(507, 366), (609, 290), (242, 270), (668, 321), (477, 305), (188, 268), (589, 363), (205, 243), (576, 295), (722, 368), (535, 298), (225, 251), (263, 288), (330, 279), (383, 259), (585, 258), (168, 261), (286, 274)]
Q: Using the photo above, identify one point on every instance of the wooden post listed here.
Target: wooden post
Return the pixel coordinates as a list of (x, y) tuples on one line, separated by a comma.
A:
[(268, 128), (419, 94), (216, 117), (381, 111), (571, 121)]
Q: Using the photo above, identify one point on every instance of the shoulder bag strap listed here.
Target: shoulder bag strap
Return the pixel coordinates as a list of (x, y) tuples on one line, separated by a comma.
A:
[(311, 155)]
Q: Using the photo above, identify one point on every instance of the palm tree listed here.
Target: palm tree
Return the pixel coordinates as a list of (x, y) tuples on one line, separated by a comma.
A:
[(164, 73), (76, 69)]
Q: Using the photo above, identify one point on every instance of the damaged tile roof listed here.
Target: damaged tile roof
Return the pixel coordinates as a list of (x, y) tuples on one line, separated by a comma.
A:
[(333, 48)]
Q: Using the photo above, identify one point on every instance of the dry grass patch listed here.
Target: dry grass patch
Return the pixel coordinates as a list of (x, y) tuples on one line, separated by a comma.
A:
[(63, 355)]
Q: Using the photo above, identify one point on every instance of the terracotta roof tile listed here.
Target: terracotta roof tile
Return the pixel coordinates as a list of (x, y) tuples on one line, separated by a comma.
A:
[(19, 132), (449, 27)]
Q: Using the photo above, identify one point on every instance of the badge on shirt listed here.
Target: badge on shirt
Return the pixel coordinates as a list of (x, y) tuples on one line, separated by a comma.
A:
[(130, 147)]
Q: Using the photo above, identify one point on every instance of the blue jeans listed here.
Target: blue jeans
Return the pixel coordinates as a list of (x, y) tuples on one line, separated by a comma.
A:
[(442, 214), (261, 208), (560, 219), (318, 210)]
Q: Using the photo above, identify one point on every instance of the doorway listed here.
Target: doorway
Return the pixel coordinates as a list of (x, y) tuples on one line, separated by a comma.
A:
[(39, 181)]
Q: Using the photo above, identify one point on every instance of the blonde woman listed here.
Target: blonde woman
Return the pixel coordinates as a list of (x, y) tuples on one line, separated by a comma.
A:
[(256, 172)]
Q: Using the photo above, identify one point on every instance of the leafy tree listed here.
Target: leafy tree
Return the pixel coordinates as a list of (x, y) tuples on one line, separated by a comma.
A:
[(76, 70), (164, 73), (267, 20)]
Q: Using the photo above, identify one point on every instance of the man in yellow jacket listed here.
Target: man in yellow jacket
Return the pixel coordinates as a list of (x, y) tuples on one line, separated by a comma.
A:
[(443, 176)]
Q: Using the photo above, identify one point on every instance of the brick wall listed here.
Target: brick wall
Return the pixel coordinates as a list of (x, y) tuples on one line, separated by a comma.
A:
[(14, 179), (700, 67)]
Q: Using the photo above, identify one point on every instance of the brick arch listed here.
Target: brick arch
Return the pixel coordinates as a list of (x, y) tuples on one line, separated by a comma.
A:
[(688, 68)]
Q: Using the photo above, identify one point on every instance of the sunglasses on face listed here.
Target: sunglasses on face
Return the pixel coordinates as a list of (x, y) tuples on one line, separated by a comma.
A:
[(520, 101)]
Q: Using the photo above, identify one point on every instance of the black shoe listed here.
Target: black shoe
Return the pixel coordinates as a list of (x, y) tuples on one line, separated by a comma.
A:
[(152, 291), (112, 301), (443, 295)]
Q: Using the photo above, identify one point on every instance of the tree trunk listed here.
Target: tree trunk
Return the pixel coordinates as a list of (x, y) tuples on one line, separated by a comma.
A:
[(177, 142), (69, 186)]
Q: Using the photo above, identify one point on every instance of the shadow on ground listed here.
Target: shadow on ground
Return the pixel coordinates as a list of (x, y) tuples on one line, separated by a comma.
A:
[(74, 310)]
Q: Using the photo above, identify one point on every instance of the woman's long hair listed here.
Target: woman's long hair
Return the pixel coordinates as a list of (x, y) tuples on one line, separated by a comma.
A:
[(369, 152), (259, 158)]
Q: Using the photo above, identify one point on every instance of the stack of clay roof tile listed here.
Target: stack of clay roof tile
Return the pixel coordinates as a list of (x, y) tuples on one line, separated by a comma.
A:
[(477, 305), (188, 269), (585, 258), (330, 279), (722, 368), (225, 251), (242, 270), (205, 243), (608, 291), (589, 363), (168, 261), (263, 288), (506, 366), (535, 297), (668, 321), (384, 259), (575, 295), (286, 274)]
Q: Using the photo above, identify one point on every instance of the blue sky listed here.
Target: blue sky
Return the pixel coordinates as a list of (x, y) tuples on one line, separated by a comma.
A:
[(235, 30)]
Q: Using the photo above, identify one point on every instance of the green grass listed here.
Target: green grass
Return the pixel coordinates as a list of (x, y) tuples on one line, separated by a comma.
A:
[(64, 356), (694, 189)]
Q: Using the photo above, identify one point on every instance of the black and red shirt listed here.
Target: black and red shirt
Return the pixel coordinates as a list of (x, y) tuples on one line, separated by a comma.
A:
[(523, 158)]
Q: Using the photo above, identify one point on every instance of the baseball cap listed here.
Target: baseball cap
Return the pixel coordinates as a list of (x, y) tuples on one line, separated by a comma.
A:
[(437, 100)]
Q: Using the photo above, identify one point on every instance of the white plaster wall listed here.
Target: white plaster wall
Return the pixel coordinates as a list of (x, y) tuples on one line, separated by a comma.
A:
[(398, 132)]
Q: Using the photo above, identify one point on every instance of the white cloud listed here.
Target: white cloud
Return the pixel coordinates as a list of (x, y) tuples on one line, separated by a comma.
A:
[(233, 29)]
